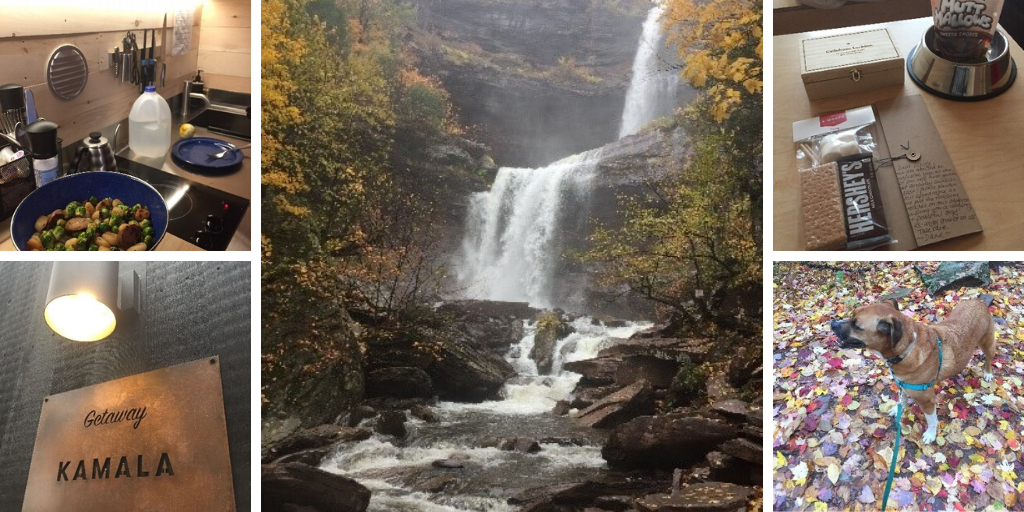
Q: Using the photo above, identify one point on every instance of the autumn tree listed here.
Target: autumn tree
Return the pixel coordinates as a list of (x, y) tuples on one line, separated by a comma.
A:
[(693, 244)]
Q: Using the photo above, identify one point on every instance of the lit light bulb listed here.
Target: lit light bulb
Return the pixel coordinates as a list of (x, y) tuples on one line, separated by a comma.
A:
[(80, 317)]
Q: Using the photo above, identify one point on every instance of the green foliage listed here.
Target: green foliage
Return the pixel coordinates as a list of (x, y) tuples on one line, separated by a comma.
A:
[(689, 385)]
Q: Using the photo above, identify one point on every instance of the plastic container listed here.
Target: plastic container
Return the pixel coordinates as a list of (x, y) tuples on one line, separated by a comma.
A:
[(149, 125)]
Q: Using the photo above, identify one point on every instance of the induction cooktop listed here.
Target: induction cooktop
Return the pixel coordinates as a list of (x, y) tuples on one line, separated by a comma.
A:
[(199, 214)]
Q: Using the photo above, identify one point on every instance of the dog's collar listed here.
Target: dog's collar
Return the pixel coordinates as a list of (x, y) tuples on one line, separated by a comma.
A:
[(896, 359), (921, 387)]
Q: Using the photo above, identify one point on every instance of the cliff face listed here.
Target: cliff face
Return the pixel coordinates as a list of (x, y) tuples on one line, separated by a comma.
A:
[(537, 80)]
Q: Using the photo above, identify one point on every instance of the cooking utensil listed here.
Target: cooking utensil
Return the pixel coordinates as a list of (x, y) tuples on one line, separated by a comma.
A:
[(94, 155), (152, 63), (142, 66), (195, 155), (226, 151), (21, 135), (31, 115), (75, 187)]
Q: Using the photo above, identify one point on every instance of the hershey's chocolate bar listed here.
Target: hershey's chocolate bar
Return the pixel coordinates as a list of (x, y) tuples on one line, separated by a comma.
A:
[(862, 204)]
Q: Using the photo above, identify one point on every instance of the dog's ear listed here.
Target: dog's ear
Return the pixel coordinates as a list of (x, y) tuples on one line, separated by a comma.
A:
[(891, 327), (893, 303)]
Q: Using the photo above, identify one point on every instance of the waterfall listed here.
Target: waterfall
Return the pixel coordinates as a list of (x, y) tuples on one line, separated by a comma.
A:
[(653, 85), (516, 232), (513, 239)]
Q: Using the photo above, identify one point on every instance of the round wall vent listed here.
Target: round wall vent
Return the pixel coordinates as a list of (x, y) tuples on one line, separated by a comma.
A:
[(67, 72)]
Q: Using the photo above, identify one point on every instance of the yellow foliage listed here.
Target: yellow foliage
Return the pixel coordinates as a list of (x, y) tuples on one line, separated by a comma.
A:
[(720, 43)]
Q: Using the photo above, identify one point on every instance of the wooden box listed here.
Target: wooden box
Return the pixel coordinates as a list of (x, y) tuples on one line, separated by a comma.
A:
[(849, 63)]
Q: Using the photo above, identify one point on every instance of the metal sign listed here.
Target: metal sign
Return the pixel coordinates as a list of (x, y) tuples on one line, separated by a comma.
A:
[(156, 441)]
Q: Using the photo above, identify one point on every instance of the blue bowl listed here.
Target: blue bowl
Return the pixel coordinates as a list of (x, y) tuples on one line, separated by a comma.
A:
[(79, 187)]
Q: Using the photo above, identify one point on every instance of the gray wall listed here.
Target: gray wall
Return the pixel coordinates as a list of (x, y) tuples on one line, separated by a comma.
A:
[(191, 310)]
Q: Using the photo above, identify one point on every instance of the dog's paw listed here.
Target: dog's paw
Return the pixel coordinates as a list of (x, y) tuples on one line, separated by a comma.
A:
[(929, 435), (895, 409), (988, 377)]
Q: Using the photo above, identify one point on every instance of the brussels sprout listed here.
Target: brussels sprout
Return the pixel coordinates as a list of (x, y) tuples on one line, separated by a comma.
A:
[(104, 227), (146, 223), (69, 212), (115, 220), (59, 247), (83, 241), (94, 199), (47, 239), (94, 247), (61, 222), (148, 230), (148, 240), (104, 213), (58, 232), (80, 211)]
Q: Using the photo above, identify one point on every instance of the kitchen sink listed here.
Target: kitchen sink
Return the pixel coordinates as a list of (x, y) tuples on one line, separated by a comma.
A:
[(229, 98), (222, 120)]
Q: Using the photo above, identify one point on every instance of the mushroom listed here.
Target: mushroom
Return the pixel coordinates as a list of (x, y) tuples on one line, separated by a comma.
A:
[(130, 234), (77, 224), (51, 221)]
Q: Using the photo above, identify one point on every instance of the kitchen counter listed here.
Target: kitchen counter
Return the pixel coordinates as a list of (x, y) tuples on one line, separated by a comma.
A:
[(238, 183), (982, 138)]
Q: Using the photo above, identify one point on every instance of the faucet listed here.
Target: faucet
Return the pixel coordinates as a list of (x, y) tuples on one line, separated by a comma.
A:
[(188, 95)]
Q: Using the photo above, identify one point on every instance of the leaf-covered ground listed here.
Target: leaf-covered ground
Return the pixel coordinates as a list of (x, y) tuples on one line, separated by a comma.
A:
[(833, 437)]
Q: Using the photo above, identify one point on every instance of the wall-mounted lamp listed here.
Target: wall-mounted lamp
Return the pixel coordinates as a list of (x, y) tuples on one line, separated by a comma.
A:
[(84, 296)]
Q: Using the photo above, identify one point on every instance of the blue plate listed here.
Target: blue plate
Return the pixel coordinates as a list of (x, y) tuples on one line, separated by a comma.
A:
[(79, 187), (199, 151)]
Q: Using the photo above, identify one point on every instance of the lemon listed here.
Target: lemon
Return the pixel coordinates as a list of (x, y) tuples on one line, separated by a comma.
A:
[(186, 131)]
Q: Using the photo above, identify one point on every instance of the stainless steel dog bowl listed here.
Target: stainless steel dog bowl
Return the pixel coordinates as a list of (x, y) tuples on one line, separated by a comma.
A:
[(959, 80)]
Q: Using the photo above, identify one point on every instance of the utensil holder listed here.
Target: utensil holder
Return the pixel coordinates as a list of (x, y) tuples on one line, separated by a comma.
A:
[(14, 190)]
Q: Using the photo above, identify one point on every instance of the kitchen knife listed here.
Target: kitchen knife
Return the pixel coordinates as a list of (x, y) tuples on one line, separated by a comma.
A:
[(30, 107), (142, 64), (152, 63)]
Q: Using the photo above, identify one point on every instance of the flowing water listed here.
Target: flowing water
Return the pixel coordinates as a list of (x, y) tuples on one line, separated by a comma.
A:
[(512, 251), (654, 83), (392, 469)]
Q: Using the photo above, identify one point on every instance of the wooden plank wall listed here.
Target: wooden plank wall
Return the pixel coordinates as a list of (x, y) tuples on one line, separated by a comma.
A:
[(225, 53), (105, 99)]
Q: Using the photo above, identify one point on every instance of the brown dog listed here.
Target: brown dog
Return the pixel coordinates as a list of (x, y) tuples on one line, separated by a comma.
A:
[(911, 348)]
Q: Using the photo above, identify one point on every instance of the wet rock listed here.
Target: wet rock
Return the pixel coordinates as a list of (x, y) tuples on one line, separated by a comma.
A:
[(658, 372), (619, 407), (448, 464), (564, 441), (360, 413), (735, 410), (399, 382), (670, 349), (435, 485), (424, 413), (599, 371), (463, 456), (705, 497), (493, 324), (744, 449), (392, 423), (292, 486), (614, 503), (956, 274), (513, 444), (312, 438), (726, 468), (561, 408), (586, 396), (579, 495), (550, 328), (666, 441)]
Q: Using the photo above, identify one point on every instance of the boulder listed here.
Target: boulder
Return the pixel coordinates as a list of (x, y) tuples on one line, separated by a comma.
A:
[(360, 413), (550, 329), (696, 350), (448, 464), (704, 497), (726, 468), (399, 382), (666, 441), (312, 438), (731, 409), (561, 408), (586, 396), (424, 413), (392, 423), (658, 372), (743, 449), (290, 487), (464, 373), (435, 484), (600, 371), (619, 407), (513, 444), (492, 324), (956, 274)]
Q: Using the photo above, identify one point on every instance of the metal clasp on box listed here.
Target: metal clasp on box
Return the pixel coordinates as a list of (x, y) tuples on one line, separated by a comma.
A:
[(855, 75)]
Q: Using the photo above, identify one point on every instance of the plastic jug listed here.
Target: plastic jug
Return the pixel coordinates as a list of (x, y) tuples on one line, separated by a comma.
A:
[(149, 125)]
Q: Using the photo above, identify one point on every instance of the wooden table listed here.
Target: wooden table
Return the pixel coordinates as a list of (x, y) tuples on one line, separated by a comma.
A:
[(790, 16), (985, 140)]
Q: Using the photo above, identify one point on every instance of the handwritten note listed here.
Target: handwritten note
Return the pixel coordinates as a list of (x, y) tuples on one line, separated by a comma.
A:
[(936, 203)]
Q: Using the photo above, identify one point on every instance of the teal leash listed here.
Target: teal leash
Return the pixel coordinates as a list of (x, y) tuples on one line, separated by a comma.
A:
[(895, 454)]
